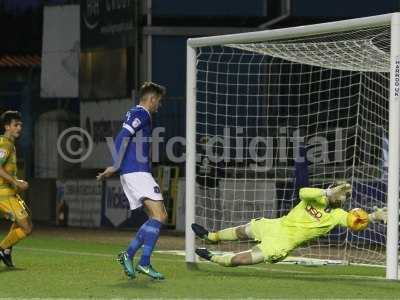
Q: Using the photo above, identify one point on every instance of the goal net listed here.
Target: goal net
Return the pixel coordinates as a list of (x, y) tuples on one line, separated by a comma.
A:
[(275, 115)]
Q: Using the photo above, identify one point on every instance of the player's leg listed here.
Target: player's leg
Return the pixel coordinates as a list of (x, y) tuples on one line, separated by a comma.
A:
[(22, 217), (151, 231), (25, 225), (157, 215), (15, 235), (14, 209), (141, 189), (250, 257), (5, 254), (125, 258), (242, 232)]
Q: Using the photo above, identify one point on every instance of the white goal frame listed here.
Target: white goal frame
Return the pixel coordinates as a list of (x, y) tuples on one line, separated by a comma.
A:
[(302, 31)]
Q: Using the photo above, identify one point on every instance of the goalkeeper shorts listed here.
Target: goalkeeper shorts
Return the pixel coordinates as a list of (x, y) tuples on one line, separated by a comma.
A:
[(272, 239), (13, 208)]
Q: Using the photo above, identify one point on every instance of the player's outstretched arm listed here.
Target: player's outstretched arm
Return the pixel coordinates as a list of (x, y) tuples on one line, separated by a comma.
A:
[(308, 194), (358, 219), (378, 214), (335, 195)]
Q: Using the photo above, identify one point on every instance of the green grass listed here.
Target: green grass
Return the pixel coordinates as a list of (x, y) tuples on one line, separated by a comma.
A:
[(49, 267)]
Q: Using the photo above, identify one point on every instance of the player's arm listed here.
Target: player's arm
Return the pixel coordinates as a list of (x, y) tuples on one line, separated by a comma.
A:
[(130, 127), (7, 177), (17, 183), (334, 196), (358, 219), (315, 195), (108, 172), (20, 184), (121, 141)]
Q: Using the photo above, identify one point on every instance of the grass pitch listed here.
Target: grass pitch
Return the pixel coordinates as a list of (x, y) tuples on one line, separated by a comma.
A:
[(62, 263)]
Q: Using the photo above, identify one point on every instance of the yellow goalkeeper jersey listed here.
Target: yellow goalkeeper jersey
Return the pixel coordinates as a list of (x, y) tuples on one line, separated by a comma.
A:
[(8, 160), (311, 218)]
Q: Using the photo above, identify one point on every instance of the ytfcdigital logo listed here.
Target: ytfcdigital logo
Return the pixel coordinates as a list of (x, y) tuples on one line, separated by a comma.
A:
[(75, 145)]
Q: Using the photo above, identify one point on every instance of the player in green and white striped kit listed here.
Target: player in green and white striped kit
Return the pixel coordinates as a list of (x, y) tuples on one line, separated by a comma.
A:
[(318, 212)]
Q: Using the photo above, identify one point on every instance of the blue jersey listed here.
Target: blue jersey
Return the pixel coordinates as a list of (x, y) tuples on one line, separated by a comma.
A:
[(136, 131)]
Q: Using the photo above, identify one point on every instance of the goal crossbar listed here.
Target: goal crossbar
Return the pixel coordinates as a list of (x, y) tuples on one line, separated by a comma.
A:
[(291, 32)]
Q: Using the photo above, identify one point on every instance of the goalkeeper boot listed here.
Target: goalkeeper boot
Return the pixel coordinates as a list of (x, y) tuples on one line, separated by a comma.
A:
[(150, 271), (5, 256), (126, 264), (202, 233), (204, 253)]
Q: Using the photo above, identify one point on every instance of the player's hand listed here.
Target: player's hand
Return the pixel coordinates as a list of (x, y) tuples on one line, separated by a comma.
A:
[(341, 189), (110, 171), (379, 214), (338, 193), (21, 185)]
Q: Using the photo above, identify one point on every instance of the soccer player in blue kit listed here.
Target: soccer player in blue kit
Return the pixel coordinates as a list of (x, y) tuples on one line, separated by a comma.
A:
[(133, 164)]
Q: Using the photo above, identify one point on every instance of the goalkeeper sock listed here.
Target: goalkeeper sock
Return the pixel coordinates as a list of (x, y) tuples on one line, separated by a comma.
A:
[(13, 237), (228, 234), (223, 260)]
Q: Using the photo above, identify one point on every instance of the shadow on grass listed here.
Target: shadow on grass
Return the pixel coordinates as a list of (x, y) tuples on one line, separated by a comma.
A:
[(138, 283), (6, 269)]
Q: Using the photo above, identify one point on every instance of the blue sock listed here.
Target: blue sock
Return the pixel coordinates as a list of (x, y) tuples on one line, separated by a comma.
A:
[(150, 237), (136, 242)]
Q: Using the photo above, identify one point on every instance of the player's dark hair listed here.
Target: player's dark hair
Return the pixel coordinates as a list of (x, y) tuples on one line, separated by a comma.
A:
[(151, 88), (7, 117)]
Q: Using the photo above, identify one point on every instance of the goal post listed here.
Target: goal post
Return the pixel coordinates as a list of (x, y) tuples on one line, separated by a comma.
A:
[(392, 260), (326, 81), (190, 153)]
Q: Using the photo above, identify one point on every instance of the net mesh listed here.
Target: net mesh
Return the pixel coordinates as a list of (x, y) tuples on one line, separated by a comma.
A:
[(274, 115)]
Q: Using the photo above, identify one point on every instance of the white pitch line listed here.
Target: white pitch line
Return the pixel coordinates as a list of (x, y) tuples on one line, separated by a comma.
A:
[(96, 254)]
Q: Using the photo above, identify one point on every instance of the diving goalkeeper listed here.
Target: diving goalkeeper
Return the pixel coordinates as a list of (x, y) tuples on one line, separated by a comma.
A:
[(318, 212)]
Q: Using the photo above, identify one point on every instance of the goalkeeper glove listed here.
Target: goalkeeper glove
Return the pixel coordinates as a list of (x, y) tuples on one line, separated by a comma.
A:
[(379, 214), (338, 195)]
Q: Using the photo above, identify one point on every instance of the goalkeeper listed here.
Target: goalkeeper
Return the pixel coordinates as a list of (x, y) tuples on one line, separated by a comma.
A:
[(318, 212)]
